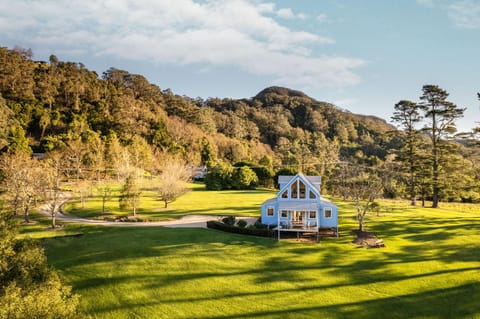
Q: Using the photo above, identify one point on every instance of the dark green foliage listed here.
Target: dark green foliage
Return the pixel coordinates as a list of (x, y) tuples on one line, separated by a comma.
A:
[(28, 287), (219, 177), (244, 178), (443, 115), (241, 223), (130, 194), (284, 172), (229, 220), (244, 231)]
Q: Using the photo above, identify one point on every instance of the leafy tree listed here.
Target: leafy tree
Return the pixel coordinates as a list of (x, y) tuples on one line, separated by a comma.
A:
[(244, 178), (219, 177), (207, 154), (407, 115), (28, 287), (442, 115), (130, 193)]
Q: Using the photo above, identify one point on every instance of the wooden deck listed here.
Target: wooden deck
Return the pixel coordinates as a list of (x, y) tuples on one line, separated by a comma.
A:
[(303, 228)]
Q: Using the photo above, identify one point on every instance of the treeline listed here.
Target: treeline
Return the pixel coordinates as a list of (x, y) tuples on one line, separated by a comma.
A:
[(108, 123)]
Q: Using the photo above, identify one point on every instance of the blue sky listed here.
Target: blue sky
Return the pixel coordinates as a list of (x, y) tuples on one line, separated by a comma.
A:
[(362, 55)]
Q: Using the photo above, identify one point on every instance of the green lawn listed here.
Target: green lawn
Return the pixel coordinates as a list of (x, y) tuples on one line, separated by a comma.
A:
[(197, 201), (430, 268)]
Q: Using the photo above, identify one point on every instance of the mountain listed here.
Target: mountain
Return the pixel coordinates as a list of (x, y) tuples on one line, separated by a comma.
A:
[(49, 104)]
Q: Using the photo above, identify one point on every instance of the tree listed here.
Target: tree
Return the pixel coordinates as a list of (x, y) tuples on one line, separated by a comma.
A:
[(207, 154), (219, 177), (360, 184), (130, 193), (442, 115), (28, 287), (244, 178), (20, 181), (105, 191), (52, 173), (407, 115), (173, 180)]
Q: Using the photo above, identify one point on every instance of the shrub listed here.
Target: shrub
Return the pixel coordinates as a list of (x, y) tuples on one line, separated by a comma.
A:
[(219, 177), (244, 178), (229, 220), (241, 223), (258, 224), (244, 231)]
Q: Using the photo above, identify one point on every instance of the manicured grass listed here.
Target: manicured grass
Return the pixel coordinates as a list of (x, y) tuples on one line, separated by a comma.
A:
[(197, 201), (430, 268)]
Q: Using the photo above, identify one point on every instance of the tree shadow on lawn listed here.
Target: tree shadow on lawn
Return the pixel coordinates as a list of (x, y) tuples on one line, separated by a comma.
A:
[(454, 302), (297, 263)]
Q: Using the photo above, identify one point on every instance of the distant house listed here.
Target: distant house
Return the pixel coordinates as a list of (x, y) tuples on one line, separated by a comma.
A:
[(299, 207)]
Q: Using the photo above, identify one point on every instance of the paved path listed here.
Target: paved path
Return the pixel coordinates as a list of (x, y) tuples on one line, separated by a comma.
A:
[(187, 221)]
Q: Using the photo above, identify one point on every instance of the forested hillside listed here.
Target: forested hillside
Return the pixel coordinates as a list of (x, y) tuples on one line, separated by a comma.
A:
[(54, 103), (118, 118)]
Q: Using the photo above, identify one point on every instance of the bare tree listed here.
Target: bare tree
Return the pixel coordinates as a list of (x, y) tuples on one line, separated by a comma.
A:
[(105, 191), (360, 184), (20, 181), (52, 172), (173, 180)]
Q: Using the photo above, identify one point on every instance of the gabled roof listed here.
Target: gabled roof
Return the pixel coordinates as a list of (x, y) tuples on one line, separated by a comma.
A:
[(315, 180), (303, 178)]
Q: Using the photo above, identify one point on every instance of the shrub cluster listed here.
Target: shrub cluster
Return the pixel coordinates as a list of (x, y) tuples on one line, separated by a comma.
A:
[(237, 230), (225, 176), (124, 219)]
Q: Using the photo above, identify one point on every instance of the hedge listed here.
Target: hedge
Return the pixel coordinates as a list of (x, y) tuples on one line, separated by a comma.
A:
[(244, 231)]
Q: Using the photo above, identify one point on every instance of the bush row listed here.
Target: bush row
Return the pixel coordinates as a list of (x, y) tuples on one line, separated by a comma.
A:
[(124, 219), (245, 231)]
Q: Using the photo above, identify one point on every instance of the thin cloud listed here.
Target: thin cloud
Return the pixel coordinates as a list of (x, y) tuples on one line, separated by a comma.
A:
[(242, 34), (465, 14)]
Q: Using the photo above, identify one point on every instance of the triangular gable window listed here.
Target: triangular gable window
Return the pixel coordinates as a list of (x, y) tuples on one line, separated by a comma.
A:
[(285, 194), (294, 190), (301, 189), (312, 195)]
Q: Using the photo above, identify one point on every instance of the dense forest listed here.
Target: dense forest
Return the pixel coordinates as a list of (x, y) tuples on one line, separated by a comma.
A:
[(105, 124)]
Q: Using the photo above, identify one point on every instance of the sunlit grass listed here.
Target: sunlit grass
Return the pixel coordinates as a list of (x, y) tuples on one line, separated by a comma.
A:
[(430, 268), (197, 201)]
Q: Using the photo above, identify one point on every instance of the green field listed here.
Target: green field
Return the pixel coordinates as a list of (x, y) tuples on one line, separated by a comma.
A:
[(430, 268), (198, 201)]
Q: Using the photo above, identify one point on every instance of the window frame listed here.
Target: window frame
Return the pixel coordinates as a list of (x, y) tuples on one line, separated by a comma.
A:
[(325, 209), (268, 211)]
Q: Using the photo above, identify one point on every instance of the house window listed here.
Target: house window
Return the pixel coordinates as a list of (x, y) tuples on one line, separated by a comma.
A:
[(312, 195), (270, 211), (327, 212), (312, 214), (284, 214), (285, 194), (294, 190), (302, 190)]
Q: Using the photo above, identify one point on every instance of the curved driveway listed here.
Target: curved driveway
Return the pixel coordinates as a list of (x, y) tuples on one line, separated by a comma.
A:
[(187, 221)]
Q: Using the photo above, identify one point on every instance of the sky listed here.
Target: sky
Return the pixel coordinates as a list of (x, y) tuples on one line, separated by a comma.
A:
[(361, 55)]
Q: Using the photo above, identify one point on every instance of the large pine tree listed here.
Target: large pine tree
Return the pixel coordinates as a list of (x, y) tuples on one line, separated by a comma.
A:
[(443, 115)]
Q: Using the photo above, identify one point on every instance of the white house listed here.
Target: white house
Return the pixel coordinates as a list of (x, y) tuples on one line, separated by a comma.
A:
[(299, 207)]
